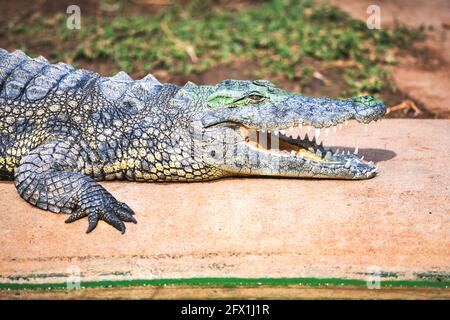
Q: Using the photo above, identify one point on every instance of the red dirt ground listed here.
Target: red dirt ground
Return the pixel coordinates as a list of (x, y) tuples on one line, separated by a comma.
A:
[(423, 72)]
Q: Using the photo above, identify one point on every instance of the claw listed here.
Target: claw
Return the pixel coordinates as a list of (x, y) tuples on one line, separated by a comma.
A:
[(93, 221), (114, 213), (116, 223), (126, 207), (119, 225), (126, 216)]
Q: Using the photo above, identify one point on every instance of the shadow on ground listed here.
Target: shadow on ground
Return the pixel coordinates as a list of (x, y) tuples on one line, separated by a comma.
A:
[(373, 154)]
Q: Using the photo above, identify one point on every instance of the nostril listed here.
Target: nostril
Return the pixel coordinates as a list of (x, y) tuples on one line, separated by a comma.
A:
[(368, 108)]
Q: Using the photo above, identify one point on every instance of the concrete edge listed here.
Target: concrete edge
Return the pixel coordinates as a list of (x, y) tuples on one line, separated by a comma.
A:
[(291, 292)]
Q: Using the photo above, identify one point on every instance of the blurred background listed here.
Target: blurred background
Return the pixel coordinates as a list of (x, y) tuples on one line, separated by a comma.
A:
[(316, 47)]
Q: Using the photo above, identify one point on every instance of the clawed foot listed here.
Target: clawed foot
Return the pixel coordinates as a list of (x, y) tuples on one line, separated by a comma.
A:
[(112, 212)]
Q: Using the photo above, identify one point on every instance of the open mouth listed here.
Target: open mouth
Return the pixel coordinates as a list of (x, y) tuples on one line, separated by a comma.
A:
[(303, 143)]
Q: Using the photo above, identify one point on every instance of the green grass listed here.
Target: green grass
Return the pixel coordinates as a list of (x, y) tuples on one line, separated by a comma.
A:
[(229, 282), (277, 35)]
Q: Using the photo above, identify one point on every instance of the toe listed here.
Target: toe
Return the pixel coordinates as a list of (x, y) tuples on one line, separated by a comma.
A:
[(127, 208), (76, 216), (125, 216), (93, 221), (116, 223)]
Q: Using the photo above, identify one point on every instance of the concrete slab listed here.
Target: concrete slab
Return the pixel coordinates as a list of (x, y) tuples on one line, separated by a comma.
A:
[(397, 223)]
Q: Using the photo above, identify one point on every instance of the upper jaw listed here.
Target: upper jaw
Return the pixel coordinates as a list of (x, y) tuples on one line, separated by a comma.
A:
[(294, 110), (321, 113)]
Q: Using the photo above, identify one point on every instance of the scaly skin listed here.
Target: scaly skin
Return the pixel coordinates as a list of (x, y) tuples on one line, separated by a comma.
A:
[(62, 130)]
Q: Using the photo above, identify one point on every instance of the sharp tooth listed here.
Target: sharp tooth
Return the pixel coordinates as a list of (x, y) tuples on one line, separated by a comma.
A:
[(366, 127), (371, 162), (319, 153), (300, 125), (347, 164), (340, 126), (328, 155), (334, 129), (362, 158), (291, 128), (327, 132), (337, 151), (356, 151), (346, 122), (348, 152), (317, 133)]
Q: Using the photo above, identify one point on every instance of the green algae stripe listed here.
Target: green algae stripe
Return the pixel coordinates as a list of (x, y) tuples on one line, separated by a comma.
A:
[(227, 282)]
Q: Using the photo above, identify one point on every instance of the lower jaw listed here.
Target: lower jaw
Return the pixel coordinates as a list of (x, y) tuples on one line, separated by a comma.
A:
[(283, 167)]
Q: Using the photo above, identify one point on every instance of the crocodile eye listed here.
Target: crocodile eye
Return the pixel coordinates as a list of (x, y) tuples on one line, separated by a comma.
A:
[(256, 97)]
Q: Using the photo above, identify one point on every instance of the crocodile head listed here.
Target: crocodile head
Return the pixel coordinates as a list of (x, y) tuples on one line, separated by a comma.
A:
[(245, 128)]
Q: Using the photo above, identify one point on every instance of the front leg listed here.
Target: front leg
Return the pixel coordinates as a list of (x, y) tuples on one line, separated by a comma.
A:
[(48, 177)]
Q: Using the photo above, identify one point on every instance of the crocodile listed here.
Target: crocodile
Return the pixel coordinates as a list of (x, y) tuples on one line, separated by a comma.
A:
[(63, 129)]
